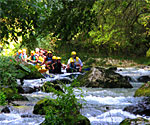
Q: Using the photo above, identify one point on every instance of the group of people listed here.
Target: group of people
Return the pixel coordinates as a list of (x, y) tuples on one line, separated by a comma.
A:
[(52, 63)]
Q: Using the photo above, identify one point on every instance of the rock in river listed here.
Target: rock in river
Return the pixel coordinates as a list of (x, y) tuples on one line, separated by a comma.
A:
[(48, 87), (13, 95), (52, 105), (137, 121), (142, 108), (101, 77), (144, 90)]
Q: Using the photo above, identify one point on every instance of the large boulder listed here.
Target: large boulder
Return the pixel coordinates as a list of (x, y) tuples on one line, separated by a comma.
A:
[(142, 108), (137, 121), (48, 87), (13, 95), (27, 71), (101, 77), (144, 90), (51, 104)]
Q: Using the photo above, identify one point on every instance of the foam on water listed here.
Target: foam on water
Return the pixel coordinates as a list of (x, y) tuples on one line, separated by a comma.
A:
[(112, 117)]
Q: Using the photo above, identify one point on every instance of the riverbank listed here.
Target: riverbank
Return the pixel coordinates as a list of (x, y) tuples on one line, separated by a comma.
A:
[(101, 59)]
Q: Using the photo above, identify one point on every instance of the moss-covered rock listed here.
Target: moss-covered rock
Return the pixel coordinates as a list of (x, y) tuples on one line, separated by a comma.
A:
[(144, 90), (42, 105), (12, 95), (137, 121), (27, 71), (101, 77), (48, 87), (50, 104)]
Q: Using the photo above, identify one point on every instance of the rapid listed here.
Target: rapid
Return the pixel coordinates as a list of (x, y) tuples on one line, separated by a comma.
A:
[(103, 106)]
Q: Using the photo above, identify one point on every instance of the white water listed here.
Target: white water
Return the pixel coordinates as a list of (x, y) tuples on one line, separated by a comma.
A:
[(103, 106)]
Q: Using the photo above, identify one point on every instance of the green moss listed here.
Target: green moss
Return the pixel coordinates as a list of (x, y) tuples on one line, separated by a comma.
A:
[(144, 90), (136, 121), (42, 106), (80, 120), (13, 95)]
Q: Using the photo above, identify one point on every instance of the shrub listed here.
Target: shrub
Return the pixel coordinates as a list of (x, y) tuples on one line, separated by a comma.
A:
[(69, 107), (2, 99)]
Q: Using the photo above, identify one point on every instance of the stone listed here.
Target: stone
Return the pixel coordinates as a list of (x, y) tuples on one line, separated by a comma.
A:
[(5, 110), (101, 77), (144, 90), (142, 108), (137, 121), (48, 87)]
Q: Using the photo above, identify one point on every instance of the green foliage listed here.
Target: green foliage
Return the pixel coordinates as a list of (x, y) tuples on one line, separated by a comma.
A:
[(48, 42), (68, 108), (8, 71), (12, 94), (121, 26), (144, 90), (148, 53), (2, 98)]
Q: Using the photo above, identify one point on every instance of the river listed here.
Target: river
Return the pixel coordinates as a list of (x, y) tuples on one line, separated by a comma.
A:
[(104, 106)]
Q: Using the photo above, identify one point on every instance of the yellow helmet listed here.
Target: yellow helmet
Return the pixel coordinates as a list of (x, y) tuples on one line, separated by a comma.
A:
[(32, 52), (54, 57), (71, 61), (19, 51), (49, 51), (73, 53), (58, 58)]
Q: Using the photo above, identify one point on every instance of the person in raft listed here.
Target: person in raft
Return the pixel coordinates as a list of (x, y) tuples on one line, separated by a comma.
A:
[(33, 58), (52, 66), (41, 58), (72, 67), (24, 55), (77, 63), (57, 66), (48, 60), (19, 54)]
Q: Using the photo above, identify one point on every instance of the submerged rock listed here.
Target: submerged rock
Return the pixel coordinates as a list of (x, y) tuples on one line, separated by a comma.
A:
[(64, 81), (142, 108), (137, 121), (143, 79), (105, 78), (45, 105), (144, 90), (48, 87), (29, 90), (13, 95)]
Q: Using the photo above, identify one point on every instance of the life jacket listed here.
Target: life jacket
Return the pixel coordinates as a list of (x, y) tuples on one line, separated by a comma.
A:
[(76, 60), (41, 59), (19, 55), (24, 56), (33, 58), (73, 66), (48, 58)]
